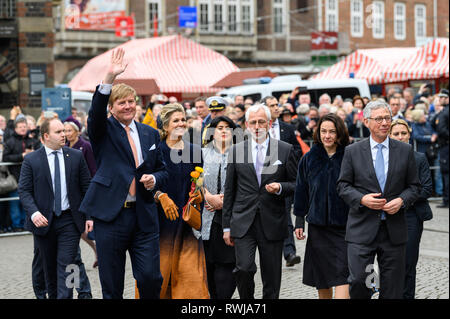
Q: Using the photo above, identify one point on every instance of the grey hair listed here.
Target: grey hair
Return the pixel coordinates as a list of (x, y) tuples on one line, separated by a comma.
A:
[(324, 106), (374, 105), (325, 94), (255, 108)]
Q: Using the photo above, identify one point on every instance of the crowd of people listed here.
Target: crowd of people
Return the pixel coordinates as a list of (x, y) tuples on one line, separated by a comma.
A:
[(260, 162)]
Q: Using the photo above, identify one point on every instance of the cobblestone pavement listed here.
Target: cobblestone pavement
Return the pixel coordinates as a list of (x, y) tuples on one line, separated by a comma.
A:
[(16, 254)]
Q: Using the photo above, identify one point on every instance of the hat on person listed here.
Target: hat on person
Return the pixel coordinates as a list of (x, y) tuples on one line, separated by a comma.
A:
[(216, 103), (75, 123), (284, 111), (443, 93)]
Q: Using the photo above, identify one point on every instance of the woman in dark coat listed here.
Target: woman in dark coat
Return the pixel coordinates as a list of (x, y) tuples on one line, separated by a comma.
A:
[(325, 263), (182, 257), (419, 212), (220, 258)]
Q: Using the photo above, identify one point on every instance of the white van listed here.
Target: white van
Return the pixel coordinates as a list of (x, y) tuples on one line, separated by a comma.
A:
[(82, 100), (346, 88)]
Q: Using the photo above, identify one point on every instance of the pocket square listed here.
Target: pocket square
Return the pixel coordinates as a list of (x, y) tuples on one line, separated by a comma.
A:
[(152, 148), (278, 162)]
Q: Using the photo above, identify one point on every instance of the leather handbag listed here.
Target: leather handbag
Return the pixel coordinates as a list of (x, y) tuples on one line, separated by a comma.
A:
[(8, 182), (192, 215)]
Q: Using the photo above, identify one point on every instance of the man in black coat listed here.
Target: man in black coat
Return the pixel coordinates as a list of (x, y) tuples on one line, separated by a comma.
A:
[(16, 146), (378, 181), (443, 136), (261, 172), (286, 133), (53, 182)]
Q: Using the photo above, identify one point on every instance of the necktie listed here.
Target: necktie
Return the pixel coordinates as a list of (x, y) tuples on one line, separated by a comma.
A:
[(132, 190), (379, 170), (272, 131), (259, 162), (57, 181)]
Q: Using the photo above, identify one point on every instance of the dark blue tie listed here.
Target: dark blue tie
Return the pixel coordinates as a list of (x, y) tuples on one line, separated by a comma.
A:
[(57, 186)]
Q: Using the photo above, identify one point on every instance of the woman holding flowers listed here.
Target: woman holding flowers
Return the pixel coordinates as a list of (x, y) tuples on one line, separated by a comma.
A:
[(182, 260)]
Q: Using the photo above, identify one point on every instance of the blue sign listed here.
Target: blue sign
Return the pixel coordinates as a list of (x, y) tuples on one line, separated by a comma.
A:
[(187, 17), (57, 100)]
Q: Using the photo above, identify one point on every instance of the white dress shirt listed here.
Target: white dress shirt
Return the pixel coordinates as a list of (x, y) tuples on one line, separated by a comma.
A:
[(385, 150), (62, 173), (275, 130)]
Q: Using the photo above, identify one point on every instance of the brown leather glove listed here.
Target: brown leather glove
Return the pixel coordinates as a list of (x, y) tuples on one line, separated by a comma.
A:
[(196, 197), (169, 207)]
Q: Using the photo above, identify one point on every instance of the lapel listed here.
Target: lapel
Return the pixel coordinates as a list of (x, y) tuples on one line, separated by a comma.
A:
[(46, 167), (282, 137), (143, 139), (367, 158), (122, 140), (251, 166), (67, 167), (391, 165)]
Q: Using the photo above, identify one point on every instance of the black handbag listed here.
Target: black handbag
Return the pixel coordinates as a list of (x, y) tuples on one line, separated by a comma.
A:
[(8, 182)]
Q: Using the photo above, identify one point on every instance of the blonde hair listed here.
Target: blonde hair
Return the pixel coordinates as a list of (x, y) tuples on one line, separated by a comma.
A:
[(417, 114), (121, 91), (165, 115)]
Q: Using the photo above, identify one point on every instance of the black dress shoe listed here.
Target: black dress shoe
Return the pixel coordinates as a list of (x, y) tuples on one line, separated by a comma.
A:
[(85, 295), (292, 260)]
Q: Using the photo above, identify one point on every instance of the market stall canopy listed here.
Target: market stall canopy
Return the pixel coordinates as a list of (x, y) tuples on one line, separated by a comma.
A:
[(238, 77), (366, 64), (429, 62), (142, 87), (176, 64)]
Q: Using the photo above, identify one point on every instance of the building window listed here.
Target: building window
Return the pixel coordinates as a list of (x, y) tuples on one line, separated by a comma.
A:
[(247, 20), (331, 16), (218, 16), (356, 18), (232, 16), (399, 21), (378, 20), (7, 9), (278, 19), (154, 14), (204, 17), (420, 12)]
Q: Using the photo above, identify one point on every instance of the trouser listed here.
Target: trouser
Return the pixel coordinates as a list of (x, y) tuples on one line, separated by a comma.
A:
[(270, 255), (391, 262), (415, 229), (289, 242), (221, 282), (38, 277), (58, 250), (113, 239), (16, 211), (443, 159)]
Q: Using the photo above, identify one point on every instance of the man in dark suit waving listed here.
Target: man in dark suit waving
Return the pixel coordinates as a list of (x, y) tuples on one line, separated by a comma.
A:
[(261, 172), (379, 181), (53, 181), (128, 165)]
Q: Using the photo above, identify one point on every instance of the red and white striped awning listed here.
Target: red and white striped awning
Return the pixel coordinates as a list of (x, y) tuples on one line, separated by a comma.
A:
[(367, 64), (429, 62), (176, 64)]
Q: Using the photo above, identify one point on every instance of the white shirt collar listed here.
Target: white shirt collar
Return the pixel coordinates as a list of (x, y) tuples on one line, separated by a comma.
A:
[(132, 126), (374, 144), (275, 123), (49, 151), (263, 144)]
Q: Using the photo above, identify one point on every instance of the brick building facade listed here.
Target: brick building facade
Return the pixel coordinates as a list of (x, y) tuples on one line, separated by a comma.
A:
[(26, 53)]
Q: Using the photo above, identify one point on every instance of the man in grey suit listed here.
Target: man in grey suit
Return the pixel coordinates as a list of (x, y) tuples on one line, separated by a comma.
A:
[(379, 181), (261, 172)]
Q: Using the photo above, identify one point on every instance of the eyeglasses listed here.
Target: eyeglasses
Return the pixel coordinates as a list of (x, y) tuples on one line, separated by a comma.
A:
[(379, 120), (260, 122)]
